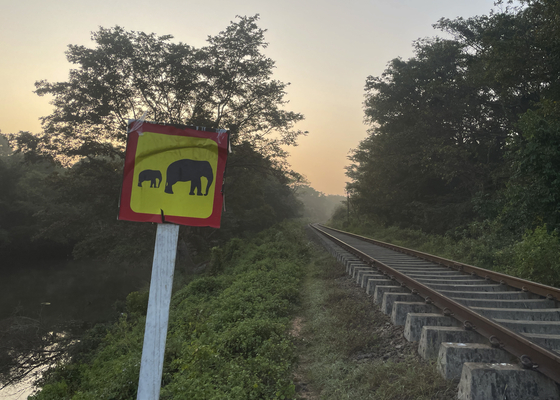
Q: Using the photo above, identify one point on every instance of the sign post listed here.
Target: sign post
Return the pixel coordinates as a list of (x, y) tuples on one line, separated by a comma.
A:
[(158, 311), (173, 175)]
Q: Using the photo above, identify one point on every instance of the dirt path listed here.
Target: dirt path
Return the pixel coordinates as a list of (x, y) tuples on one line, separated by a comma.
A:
[(338, 315)]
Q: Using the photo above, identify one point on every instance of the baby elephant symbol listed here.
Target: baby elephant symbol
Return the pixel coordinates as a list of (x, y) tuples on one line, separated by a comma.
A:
[(150, 175), (189, 170)]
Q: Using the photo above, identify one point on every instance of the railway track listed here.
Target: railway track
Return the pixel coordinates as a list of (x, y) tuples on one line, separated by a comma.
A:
[(498, 335)]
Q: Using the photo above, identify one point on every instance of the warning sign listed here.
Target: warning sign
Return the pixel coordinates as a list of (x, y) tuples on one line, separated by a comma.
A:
[(173, 174)]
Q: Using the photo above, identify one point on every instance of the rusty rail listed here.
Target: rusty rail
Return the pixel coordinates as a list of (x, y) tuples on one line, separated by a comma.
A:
[(549, 292), (531, 355)]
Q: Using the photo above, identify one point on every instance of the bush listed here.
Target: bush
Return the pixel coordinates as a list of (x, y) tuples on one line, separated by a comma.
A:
[(484, 244), (227, 335), (137, 302), (536, 257)]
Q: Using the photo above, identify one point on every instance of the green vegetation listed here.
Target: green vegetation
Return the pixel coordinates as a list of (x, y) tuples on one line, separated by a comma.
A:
[(462, 155), (461, 159), (467, 129), (533, 257), (228, 336), (232, 335), (60, 188), (339, 326), (227, 83), (23, 192)]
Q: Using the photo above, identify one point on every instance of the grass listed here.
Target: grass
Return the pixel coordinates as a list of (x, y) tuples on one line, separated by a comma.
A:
[(228, 331), (349, 351), (229, 336)]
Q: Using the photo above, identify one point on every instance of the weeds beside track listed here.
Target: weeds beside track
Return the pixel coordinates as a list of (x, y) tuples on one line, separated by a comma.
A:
[(350, 350)]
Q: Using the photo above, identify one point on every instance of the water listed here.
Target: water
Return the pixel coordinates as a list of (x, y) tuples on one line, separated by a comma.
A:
[(66, 291)]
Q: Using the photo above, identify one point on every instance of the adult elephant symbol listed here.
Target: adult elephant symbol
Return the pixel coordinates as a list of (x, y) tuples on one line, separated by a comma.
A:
[(189, 170)]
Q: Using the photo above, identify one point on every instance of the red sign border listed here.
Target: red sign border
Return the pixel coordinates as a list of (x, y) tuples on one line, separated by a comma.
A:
[(126, 212)]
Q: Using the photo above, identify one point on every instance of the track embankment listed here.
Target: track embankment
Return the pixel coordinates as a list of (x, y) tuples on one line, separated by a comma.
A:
[(497, 335)]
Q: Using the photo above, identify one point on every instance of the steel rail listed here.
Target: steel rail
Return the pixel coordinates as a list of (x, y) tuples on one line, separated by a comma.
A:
[(531, 355), (549, 292)]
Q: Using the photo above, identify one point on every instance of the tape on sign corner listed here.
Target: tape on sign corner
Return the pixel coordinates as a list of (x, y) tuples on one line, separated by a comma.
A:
[(137, 126)]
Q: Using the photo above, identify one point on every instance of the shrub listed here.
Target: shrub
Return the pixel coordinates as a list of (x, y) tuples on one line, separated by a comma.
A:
[(227, 334), (536, 257), (137, 302), (483, 244)]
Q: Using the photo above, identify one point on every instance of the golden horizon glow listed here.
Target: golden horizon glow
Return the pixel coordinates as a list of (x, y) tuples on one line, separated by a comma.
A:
[(325, 49)]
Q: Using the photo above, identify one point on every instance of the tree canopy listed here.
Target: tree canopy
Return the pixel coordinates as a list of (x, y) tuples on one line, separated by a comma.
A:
[(454, 126), (227, 83)]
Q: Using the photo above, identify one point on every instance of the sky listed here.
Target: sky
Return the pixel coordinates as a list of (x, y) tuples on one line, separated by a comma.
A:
[(325, 49)]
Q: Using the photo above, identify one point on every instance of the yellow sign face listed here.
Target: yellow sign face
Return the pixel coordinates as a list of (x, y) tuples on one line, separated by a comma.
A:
[(174, 174)]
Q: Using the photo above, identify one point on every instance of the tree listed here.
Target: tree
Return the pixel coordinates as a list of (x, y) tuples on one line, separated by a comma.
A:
[(227, 83), (5, 149), (507, 59), (441, 122), (434, 140), (532, 195), (257, 194), (542, 18), (520, 53), (23, 180)]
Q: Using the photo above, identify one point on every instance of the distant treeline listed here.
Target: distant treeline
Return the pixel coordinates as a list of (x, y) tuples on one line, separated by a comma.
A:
[(464, 137), (51, 211), (317, 206)]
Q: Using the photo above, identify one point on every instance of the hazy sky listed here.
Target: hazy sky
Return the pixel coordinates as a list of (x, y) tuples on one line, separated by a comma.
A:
[(325, 48)]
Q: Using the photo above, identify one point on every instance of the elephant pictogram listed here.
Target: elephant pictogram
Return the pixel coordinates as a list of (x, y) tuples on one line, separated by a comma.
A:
[(189, 170), (150, 175)]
